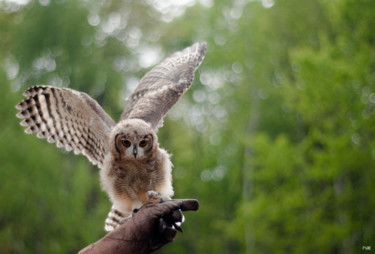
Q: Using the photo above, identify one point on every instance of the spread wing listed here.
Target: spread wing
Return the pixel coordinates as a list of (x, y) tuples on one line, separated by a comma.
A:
[(161, 87), (69, 118)]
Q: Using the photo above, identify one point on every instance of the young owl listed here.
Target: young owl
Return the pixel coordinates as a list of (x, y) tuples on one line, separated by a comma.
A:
[(133, 166)]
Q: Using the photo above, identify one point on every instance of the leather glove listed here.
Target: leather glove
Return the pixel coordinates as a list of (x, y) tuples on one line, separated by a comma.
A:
[(151, 227)]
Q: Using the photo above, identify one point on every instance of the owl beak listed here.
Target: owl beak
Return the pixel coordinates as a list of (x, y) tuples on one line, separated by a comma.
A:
[(135, 152)]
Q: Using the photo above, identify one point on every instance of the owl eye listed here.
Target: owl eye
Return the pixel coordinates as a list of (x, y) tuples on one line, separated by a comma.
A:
[(125, 142), (143, 143)]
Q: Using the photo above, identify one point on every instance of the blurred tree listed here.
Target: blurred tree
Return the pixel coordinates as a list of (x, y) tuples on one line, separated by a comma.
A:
[(302, 196)]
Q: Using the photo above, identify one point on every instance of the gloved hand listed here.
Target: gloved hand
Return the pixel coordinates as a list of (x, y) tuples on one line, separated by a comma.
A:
[(148, 230)]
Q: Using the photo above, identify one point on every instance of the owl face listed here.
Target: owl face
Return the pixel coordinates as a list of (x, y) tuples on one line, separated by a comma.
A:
[(133, 139)]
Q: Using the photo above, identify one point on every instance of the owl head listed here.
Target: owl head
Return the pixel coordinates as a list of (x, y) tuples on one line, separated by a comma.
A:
[(133, 139)]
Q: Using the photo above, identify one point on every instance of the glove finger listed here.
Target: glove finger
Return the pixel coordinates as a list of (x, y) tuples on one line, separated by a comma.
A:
[(169, 234), (162, 225), (166, 208), (157, 210), (177, 216), (188, 204)]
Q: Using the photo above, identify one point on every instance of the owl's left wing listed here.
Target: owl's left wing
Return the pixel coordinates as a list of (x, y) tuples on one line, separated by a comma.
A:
[(69, 118), (161, 87)]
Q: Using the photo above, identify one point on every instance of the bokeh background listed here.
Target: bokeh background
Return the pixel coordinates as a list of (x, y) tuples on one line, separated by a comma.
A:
[(275, 138)]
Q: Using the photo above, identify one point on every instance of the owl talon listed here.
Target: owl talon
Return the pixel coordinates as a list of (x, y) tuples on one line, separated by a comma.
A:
[(177, 227), (154, 197), (122, 221), (135, 211)]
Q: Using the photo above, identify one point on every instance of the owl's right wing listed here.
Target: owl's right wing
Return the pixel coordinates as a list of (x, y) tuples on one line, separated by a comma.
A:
[(69, 118)]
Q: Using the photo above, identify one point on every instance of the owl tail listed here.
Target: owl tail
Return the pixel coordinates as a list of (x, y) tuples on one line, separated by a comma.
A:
[(113, 219)]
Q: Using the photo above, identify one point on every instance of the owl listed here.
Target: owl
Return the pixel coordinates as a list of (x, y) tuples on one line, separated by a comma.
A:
[(133, 167)]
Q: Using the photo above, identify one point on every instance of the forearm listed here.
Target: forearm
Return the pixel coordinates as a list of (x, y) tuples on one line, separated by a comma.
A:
[(153, 226)]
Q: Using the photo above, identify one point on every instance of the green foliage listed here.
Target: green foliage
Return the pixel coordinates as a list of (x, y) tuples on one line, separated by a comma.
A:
[(275, 138)]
